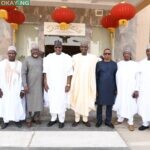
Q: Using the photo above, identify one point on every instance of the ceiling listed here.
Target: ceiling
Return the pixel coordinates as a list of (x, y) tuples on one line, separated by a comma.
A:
[(93, 4)]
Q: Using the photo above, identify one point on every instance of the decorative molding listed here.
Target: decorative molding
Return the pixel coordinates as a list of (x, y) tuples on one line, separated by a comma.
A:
[(75, 29)]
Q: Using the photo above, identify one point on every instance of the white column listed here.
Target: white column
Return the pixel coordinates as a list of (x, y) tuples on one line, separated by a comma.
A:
[(143, 32), (5, 38)]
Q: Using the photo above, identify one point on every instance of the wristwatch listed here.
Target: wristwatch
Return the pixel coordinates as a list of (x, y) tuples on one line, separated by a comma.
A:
[(68, 85)]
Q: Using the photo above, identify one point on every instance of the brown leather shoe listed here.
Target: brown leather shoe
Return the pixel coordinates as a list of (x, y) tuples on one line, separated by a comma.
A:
[(87, 124), (74, 124), (131, 127), (117, 123), (29, 124), (36, 121)]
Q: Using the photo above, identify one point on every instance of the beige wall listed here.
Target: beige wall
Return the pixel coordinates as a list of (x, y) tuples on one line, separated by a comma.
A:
[(25, 35), (143, 32), (100, 40), (28, 33)]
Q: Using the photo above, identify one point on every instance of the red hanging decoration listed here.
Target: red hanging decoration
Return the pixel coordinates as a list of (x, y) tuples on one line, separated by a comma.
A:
[(15, 17), (8, 8), (64, 16), (4, 11), (123, 12), (109, 22)]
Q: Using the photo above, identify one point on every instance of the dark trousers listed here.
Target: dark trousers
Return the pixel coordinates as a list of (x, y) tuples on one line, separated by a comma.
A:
[(108, 114)]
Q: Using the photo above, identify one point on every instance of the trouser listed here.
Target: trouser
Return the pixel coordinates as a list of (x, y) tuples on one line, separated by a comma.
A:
[(7, 121), (35, 116), (108, 114), (130, 120), (145, 123), (61, 117), (77, 117)]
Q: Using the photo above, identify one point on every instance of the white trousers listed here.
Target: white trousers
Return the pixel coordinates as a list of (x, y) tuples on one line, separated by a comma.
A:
[(77, 118), (61, 117), (145, 123), (7, 121), (130, 120)]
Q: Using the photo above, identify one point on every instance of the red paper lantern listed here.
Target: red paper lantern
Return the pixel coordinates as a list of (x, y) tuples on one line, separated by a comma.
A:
[(123, 12), (15, 17), (8, 8), (4, 11), (64, 16), (109, 22)]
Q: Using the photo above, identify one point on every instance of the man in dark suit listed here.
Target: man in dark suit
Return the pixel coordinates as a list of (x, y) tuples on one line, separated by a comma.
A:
[(106, 87)]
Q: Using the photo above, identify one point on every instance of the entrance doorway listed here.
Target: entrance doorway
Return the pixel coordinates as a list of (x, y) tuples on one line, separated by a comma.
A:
[(70, 50)]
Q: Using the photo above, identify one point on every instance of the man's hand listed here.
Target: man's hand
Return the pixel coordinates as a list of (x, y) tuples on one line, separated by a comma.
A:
[(67, 88), (135, 94), (1, 93), (26, 89), (22, 93), (46, 87)]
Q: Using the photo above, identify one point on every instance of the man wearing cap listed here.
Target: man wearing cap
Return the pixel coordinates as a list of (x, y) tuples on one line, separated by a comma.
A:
[(11, 107), (57, 69), (126, 78), (32, 70), (83, 86), (144, 93)]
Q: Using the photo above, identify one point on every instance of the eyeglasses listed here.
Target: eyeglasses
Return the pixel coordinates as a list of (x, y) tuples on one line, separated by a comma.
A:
[(57, 47), (107, 53)]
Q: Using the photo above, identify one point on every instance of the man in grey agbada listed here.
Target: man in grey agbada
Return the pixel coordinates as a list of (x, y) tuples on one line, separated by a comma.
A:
[(32, 82)]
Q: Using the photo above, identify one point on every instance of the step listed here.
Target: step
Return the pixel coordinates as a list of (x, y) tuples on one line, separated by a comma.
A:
[(61, 140)]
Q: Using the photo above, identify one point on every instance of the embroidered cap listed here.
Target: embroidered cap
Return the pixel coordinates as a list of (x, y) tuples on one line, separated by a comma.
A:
[(57, 43), (34, 46), (10, 48)]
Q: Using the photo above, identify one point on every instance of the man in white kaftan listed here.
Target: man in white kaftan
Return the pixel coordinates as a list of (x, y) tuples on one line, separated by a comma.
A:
[(11, 107), (58, 71), (83, 85), (144, 91), (126, 79)]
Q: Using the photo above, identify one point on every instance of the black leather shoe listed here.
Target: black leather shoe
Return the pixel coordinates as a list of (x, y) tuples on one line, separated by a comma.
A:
[(51, 123), (18, 124), (4, 125), (141, 128), (98, 124), (109, 125), (87, 124), (61, 125), (74, 124)]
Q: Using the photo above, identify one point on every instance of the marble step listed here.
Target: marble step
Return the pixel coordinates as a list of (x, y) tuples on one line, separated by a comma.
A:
[(67, 140)]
